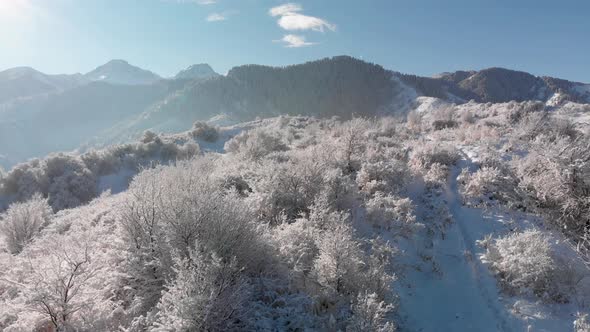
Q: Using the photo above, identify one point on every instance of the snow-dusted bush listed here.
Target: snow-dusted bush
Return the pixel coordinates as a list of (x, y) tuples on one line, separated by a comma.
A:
[(148, 137), (297, 247), (555, 178), (370, 314), (22, 222), (478, 133), (338, 265), (582, 323), (288, 189), (255, 143), (101, 162), (433, 160), (378, 273), (171, 208), (204, 131), (387, 211), (350, 138), (62, 286), (388, 176), (414, 121), (523, 262), (487, 184), (424, 154), (148, 262), (207, 294), (467, 117), (444, 117), (518, 111)]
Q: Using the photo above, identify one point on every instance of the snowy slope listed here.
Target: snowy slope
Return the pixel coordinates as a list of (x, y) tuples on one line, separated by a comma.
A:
[(444, 285)]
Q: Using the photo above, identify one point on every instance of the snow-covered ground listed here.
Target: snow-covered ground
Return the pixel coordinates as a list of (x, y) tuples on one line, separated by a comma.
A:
[(445, 286)]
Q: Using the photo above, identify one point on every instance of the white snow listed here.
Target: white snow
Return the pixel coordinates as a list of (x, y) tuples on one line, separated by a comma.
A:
[(553, 100), (427, 105), (444, 285)]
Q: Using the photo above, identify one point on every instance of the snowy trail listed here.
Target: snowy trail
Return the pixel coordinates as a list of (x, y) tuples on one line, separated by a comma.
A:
[(456, 293)]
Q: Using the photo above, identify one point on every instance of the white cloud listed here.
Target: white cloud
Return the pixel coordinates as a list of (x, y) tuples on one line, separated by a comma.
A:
[(216, 17), (294, 41), (285, 9), (291, 19), (302, 22)]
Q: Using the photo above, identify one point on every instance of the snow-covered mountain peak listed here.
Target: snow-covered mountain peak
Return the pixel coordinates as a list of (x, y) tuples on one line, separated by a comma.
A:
[(121, 72), (197, 71)]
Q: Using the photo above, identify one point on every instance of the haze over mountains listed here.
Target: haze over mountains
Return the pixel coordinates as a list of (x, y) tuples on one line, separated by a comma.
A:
[(117, 101)]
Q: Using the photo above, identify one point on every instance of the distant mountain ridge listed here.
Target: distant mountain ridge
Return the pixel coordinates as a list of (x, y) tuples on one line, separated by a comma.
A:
[(497, 85), (116, 102), (198, 71), (25, 82), (121, 72)]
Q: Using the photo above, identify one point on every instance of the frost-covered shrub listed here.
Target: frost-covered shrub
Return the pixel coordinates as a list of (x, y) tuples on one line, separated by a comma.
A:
[(488, 184), (478, 133), (436, 175), (25, 180), (148, 137), (22, 222), (61, 287), (433, 161), (256, 143), (370, 314), (582, 323), (555, 179), (427, 153), (204, 131), (523, 262), (72, 189), (387, 211), (387, 176), (101, 162), (169, 209), (339, 192), (467, 117), (288, 189), (518, 111), (378, 273), (414, 121), (207, 294), (338, 260), (444, 117), (189, 150), (297, 247), (350, 139)]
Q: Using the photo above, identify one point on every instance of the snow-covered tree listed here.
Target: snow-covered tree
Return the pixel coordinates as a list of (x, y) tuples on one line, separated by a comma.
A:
[(58, 284), (370, 314), (207, 294), (148, 262), (22, 222), (339, 261)]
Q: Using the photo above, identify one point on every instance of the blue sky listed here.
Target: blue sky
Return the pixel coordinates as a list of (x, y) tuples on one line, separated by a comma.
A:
[(423, 37)]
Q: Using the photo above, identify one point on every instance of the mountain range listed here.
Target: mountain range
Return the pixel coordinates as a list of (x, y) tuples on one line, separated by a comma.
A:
[(117, 101)]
